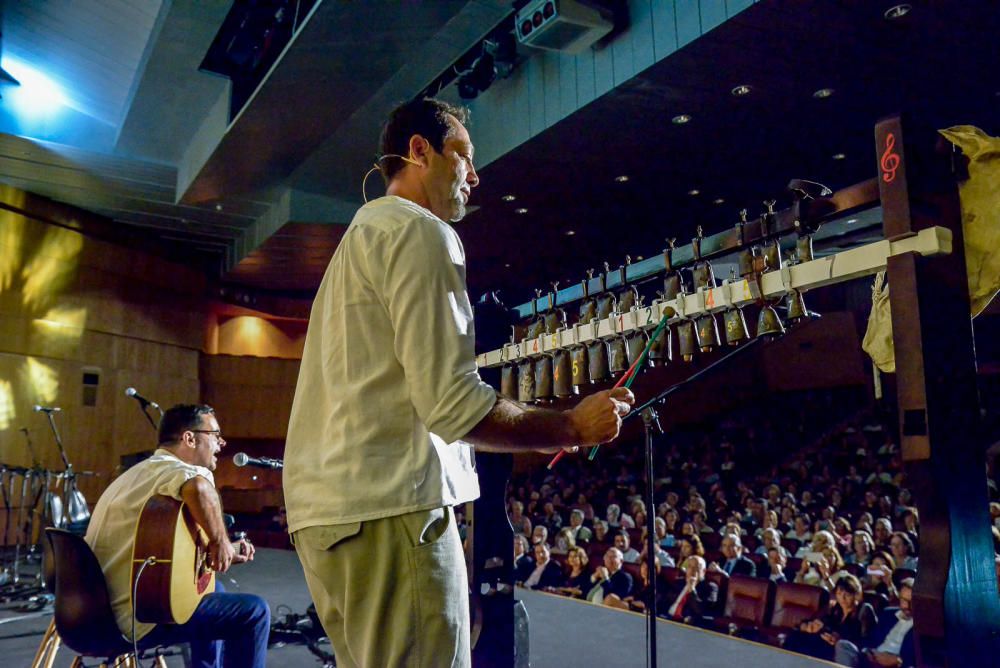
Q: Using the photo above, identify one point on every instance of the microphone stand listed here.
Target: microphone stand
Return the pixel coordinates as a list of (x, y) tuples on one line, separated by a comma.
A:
[(651, 425), (149, 417)]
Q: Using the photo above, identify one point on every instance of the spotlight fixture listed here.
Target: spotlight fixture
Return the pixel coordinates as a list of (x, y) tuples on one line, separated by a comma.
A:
[(570, 233), (477, 78), (640, 258), (718, 200), (621, 178), (838, 156), (741, 90), (508, 198), (694, 191), (218, 207), (507, 265), (522, 210), (681, 119), (897, 11), (823, 93)]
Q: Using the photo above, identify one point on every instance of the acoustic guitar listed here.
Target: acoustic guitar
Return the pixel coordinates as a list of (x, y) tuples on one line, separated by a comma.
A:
[(172, 586)]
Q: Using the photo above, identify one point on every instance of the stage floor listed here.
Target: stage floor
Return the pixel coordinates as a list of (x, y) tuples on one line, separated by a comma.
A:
[(563, 632)]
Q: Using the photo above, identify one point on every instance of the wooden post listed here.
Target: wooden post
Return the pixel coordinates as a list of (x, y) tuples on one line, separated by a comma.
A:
[(955, 603)]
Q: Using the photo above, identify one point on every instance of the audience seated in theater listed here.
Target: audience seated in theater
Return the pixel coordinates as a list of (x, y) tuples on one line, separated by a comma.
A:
[(878, 575), (629, 554), (540, 535), (863, 549), (891, 641), (581, 534), (690, 600), (547, 573), (518, 519), (524, 563), (771, 538), (776, 562), (734, 563), (882, 533), (600, 531), (641, 595), (663, 558), (801, 531), (577, 582), (563, 542), (584, 506), (849, 619), (902, 551), (822, 564), (618, 520), (610, 579), (689, 546), (672, 526), (550, 518)]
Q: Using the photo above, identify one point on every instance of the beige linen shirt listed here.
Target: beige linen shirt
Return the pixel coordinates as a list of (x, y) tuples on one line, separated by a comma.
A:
[(111, 533), (388, 383)]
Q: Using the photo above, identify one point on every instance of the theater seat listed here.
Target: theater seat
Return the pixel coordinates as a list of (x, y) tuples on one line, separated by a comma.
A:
[(721, 581), (748, 605), (793, 604)]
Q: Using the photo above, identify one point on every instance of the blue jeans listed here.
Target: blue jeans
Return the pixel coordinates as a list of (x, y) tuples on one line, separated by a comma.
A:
[(226, 629)]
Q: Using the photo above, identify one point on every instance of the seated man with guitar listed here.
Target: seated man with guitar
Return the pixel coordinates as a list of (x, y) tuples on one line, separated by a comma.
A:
[(193, 544)]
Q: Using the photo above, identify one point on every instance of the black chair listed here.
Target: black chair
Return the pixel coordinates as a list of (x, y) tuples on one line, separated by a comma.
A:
[(83, 616)]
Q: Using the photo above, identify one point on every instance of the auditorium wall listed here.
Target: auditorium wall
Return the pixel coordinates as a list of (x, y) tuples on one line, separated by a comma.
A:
[(75, 309)]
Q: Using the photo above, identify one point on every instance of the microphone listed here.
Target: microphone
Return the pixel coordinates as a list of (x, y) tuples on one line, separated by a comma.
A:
[(143, 401), (47, 409), (241, 459)]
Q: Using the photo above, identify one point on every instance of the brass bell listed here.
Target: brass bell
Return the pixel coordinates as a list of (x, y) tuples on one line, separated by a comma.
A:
[(736, 327), (768, 322), (508, 381), (687, 340), (562, 374), (796, 306), (804, 248), (707, 332), (672, 285), (543, 378), (526, 381), (772, 252), (597, 355), (635, 343), (581, 366), (745, 262), (661, 351), (704, 275), (617, 355)]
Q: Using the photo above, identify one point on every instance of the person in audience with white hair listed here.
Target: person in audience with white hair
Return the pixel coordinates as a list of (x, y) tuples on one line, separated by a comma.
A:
[(692, 599), (610, 578), (581, 534), (734, 562), (616, 519)]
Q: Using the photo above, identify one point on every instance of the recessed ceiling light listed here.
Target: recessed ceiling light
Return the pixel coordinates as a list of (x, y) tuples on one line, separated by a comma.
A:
[(640, 258), (718, 200), (522, 210), (622, 178), (897, 11), (218, 207), (570, 233), (681, 119), (507, 265), (508, 198), (852, 221), (838, 156), (694, 191), (823, 93), (741, 90)]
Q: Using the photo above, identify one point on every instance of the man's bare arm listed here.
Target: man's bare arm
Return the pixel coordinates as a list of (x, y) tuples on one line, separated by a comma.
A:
[(203, 501), (513, 427)]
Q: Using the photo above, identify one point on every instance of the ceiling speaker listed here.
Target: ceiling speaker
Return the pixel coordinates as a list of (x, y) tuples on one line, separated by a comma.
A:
[(567, 26)]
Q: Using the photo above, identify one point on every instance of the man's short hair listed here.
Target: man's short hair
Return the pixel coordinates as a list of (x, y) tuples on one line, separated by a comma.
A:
[(577, 513), (907, 583), (179, 419), (427, 117)]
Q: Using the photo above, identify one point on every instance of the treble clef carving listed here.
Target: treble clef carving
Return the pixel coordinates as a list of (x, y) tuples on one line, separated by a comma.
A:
[(890, 159)]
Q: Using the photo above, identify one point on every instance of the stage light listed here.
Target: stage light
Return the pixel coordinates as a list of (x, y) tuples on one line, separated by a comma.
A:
[(897, 11), (838, 156), (478, 78), (694, 192), (570, 233), (741, 90), (718, 200), (38, 96), (508, 198), (521, 211), (622, 178), (681, 119), (823, 93)]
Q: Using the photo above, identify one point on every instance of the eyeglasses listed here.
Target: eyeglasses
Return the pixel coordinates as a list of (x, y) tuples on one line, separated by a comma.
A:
[(215, 432)]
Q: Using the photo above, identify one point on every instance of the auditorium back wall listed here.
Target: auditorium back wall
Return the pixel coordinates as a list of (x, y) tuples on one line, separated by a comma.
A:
[(82, 319)]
